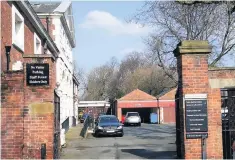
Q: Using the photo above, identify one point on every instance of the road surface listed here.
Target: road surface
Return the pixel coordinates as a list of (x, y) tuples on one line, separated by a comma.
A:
[(150, 141)]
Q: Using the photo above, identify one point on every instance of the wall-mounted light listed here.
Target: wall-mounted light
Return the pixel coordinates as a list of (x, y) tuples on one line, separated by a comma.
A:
[(8, 51)]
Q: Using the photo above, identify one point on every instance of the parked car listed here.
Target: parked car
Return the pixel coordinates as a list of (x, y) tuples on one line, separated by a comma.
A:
[(108, 125), (132, 118), (100, 114), (83, 118)]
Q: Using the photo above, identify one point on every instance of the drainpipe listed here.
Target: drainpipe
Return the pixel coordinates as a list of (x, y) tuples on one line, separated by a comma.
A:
[(45, 41), (47, 22), (159, 111), (8, 51)]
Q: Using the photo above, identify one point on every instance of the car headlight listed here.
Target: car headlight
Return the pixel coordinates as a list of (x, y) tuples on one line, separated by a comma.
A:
[(120, 127), (100, 127)]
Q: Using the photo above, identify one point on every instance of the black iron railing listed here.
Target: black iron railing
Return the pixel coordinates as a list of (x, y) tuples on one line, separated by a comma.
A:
[(56, 141), (228, 121)]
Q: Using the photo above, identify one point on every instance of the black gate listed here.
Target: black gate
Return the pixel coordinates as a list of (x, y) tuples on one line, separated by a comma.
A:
[(228, 121), (56, 144), (178, 125)]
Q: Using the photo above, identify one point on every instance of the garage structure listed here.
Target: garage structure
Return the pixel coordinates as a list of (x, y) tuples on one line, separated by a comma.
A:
[(93, 107), (167, 106), (145, 104)]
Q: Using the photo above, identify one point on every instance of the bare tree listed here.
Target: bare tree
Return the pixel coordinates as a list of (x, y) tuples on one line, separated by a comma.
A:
[(80, 75), (231, 3), (151, 79), (113, 80), (99, 80), (174, 22)]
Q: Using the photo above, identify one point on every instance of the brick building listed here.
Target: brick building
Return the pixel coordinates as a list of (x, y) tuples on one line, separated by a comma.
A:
[(58, 18), (28, 112), (93, 107)]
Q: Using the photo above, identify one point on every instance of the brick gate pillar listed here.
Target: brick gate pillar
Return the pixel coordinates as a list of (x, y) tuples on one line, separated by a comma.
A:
[(192, 67)]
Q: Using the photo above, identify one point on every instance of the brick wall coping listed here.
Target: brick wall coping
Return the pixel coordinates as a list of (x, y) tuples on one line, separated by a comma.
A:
[(124, 101), (192, 47), (220, 68), (38, 56), (12, 72)]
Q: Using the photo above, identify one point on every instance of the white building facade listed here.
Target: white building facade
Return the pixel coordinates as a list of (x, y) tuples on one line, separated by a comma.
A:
[(59, 18)]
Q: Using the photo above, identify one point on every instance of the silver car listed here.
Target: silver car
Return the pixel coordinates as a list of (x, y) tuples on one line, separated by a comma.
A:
[(132, 118)]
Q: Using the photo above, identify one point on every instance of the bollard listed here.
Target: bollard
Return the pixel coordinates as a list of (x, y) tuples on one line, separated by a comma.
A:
[(204, 154), (43, 151)]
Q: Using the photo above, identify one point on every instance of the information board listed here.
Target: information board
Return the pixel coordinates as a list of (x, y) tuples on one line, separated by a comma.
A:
[(37, 74), (196, 115), (196, 135)]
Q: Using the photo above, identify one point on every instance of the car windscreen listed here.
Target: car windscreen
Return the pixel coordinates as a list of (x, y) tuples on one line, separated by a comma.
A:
[(132, 114), (108, 120)]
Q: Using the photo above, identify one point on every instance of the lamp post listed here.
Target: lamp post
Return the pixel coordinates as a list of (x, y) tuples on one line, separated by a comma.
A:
[(8, 50), (158, 110)]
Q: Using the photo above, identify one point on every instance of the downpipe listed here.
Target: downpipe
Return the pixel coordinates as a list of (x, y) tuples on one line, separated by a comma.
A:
[(204, 153)]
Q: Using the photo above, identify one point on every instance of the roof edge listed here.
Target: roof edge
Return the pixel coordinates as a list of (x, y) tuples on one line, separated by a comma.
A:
[(75, 79), (65, 25), (61, 8), (153, 98), (159, 96)]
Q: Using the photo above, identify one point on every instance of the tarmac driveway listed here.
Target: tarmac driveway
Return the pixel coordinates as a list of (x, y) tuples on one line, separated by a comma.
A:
[(150, 141)]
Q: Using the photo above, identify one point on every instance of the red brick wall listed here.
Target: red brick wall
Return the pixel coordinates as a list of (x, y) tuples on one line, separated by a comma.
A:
[(22, 132), (51, 26), (12, 99), (193, 79), (6, 35), (221, 73), (40, 127)]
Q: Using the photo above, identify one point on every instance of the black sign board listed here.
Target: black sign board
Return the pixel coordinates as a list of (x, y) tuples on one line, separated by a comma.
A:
[(196, 115), (37, 74), (196, 135)]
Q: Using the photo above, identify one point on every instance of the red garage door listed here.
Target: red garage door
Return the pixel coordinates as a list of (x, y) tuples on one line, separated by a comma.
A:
[(169, 115)]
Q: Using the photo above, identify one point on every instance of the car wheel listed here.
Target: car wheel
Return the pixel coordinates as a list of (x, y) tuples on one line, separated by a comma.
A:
[(139, 124), (96, 134), (121, 135)]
